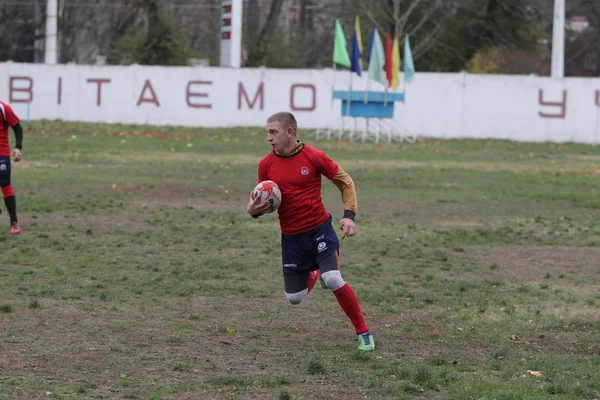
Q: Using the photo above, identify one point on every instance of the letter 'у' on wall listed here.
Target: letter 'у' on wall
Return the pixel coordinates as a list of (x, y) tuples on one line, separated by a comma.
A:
[(561, 105)]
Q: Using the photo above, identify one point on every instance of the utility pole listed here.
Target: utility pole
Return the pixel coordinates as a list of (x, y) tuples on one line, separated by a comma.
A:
[(558, 40), (51, 32), (231, 33)]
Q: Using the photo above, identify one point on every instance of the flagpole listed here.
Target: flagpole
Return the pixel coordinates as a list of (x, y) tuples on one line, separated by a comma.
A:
[(340, 56), (367, 88), (333, 86), (349, 100), (332, 97), (349, 96), (391, 129), (342, 127)]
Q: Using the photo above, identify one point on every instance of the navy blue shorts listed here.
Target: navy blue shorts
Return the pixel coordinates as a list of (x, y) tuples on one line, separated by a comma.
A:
[(4, 166), (304, 252)]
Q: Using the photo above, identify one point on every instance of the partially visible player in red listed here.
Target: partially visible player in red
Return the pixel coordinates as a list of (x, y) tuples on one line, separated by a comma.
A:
[(309, 244), (8, 118)]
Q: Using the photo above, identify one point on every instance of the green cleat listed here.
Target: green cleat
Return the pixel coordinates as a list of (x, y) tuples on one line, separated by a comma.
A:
[(366, 342)]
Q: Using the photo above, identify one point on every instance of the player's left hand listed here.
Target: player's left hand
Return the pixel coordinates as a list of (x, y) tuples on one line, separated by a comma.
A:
[(348, 226), (257, 206), (16, 155)]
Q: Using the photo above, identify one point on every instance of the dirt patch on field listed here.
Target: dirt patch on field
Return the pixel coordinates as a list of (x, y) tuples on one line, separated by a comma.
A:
[(133, 349), (440, 215), (532, 264)]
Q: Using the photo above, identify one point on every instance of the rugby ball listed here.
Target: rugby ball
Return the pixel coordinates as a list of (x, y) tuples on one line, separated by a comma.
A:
[(268, 191)]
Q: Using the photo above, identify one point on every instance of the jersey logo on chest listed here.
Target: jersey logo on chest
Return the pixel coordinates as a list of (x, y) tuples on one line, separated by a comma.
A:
[(304, 170)]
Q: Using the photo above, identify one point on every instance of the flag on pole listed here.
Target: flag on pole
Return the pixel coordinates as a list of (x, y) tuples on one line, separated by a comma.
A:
[(340, 52), (376, 58), (388, 59), (356, 53), (395, 64), (371, 39), (358, 34), (359, 37), (368, 59), (409, 65)]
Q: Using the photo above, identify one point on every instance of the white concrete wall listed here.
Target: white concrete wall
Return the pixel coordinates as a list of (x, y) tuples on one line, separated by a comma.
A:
[(523, 108)]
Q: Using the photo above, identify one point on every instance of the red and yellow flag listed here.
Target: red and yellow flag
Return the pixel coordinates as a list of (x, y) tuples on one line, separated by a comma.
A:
[(388, 59)]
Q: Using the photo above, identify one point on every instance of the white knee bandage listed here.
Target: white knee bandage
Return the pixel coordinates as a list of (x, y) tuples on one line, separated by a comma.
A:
[(333, 279), (297, 298)]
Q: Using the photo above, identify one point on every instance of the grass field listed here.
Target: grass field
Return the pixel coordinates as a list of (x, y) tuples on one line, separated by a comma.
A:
[(139, 276)]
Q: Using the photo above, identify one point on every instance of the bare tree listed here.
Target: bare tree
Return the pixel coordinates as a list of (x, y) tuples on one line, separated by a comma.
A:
[(258, 50), (22, 31), (201, 25), (305, 19), (89, 29), (422, 19)]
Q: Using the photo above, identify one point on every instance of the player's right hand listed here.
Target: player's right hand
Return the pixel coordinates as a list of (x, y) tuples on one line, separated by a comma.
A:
[(257, 207)]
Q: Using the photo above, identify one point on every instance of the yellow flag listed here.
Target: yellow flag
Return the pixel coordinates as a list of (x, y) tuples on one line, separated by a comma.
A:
[(395, 64), (358, 35)]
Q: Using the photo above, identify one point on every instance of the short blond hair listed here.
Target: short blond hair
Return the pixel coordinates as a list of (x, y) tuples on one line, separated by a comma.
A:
[(286, 119)]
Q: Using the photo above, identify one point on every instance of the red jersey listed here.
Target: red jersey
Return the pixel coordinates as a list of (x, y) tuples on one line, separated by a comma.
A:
[(299, 179), (7, 119)]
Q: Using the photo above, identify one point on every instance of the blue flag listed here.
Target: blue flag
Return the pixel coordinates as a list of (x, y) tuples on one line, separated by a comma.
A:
[(355, 57), (373, 33)]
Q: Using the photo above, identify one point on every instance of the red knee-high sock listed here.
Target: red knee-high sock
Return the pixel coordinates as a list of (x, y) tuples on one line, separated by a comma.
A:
[(313, 277), (347, 300)]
